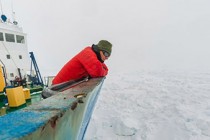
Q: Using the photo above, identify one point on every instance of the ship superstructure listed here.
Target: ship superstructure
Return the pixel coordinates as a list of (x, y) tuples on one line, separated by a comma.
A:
[(14, 55)]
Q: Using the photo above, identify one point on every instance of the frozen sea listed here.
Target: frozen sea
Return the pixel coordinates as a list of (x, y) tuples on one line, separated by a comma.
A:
[(152, 105)]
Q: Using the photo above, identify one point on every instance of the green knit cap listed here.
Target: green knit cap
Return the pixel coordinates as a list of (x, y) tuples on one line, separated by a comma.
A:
[(105, 45)]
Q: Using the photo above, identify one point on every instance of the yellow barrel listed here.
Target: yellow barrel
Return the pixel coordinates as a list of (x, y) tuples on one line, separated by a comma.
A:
[(15, 96), (27, 94)]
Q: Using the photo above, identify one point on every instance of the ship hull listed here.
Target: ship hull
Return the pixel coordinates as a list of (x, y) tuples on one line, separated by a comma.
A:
[(64, 116)]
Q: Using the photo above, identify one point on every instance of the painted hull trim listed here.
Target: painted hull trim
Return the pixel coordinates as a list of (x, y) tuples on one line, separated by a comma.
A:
[(64, 116)]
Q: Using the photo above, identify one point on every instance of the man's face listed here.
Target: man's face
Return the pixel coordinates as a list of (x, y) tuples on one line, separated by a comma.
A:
[(104, 55)]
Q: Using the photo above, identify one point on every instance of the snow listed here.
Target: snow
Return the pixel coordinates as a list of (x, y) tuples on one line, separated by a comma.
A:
[(152, 105)]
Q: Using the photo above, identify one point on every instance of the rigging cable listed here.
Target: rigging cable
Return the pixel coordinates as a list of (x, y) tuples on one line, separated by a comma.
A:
[(5, 71)]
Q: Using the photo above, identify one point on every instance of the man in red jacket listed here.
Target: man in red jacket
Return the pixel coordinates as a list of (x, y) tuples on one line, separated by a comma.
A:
[(88, 63)]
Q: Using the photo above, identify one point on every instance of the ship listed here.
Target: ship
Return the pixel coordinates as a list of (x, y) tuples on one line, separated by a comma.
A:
[(62, 113), (18, 67), (62, 116)]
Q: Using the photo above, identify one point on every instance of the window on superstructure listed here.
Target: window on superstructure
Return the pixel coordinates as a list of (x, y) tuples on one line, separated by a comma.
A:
[(8, 56), (11, 74), (1, 37), (20, 39), (10, 37), (20, 57)]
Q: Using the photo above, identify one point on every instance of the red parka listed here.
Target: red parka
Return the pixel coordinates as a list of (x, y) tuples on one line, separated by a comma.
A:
[(82, 65)]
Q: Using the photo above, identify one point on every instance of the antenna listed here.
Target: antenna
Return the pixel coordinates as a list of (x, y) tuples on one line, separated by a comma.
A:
[(3, 17), (12, 6), (1, 8), (13, 15)]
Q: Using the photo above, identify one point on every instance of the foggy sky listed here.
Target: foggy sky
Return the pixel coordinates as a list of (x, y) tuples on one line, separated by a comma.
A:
[(164, 34)]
